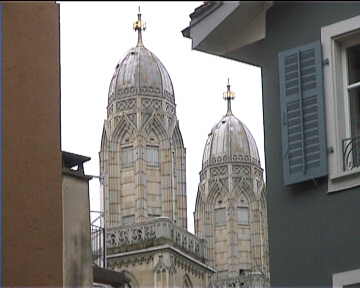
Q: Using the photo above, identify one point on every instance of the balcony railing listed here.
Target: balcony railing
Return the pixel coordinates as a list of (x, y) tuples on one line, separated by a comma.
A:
[(245, 279), (351, 153), (97, 245), (156, 232)]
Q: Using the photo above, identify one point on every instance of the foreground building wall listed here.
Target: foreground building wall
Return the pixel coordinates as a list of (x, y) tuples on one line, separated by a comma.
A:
[(32, 201), (78, 260), (312, 232)]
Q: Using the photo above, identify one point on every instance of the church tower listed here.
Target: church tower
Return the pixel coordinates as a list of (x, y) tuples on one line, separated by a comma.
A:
[(142, 167), (142, 157), (230, 210)]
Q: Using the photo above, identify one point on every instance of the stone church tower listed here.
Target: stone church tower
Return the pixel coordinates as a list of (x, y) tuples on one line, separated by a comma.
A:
[(142, 167), (230, 210), (142, 155)]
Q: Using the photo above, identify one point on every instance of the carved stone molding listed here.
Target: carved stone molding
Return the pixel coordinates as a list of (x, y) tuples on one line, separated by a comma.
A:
[(202, 175), (170, 109), (234, 158), (221, 171), (126, 105), (242, 183), (158, 231), (151, 104), (189, 267), (143, 90), (134, 260), (241, 170)]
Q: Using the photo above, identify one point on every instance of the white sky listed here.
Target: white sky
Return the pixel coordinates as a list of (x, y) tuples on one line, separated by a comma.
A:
[(96, 35)]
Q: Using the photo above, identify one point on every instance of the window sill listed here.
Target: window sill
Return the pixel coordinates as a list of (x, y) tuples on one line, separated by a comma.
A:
[(344, 180), (346, 278)]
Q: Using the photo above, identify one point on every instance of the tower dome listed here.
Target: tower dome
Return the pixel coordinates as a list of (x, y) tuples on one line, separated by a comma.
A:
[(142, 157), (230, 140), (230, 210), (140, 72)]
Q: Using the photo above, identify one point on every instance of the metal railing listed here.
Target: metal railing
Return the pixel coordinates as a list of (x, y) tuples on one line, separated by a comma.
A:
[(241, 279), (351, 153), (98, 245)]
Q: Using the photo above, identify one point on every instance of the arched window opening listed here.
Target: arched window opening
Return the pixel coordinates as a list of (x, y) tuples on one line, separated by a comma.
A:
[(127, 156), (242, 210), (152, 156), (220, 216), (243, 215)]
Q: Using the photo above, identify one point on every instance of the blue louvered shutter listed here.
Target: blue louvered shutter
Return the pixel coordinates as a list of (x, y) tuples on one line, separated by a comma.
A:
[(302, 114)]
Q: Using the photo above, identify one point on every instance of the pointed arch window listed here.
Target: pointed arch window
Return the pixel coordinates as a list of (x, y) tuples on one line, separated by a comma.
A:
[(243, 215), (242, 211), (220, 216), (127, 156), (152, 156)]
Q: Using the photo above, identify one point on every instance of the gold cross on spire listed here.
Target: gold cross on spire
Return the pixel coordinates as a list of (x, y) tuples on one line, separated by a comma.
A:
[(139, 26), (228, 96)]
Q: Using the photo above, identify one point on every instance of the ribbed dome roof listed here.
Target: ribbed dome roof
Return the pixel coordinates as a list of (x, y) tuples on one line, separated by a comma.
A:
[(230, 140), (141, 72)]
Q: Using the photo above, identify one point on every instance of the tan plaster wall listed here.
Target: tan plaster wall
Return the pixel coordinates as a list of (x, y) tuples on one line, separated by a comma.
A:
[(31, 146), (77, 242)]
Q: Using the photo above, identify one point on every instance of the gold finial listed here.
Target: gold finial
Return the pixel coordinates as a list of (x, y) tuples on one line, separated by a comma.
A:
[(139, 26), (228, 96)]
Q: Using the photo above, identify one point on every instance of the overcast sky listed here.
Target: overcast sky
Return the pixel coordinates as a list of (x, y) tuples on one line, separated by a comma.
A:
[(96, 35)]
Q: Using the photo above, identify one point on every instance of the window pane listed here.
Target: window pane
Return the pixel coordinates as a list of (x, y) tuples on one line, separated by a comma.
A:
[(354, 97), (220, 216), (353, 55), (243, 215), (152, 156), (127, 156), (354, 148)]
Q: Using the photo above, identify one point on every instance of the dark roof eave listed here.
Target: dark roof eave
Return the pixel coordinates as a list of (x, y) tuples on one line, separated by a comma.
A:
[(186, 32), (206, 6), (110, 277), (199, 14), (72, 159)]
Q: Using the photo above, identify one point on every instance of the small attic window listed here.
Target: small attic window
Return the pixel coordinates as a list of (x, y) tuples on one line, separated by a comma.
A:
[(223, 121), (117, 66), (132, 53)]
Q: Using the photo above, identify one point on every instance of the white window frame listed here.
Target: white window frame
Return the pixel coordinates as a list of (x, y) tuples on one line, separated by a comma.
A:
[(334, 39), (343, 279)]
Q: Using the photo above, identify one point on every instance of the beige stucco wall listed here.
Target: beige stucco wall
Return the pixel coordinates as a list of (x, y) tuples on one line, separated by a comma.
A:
[(77, 242)]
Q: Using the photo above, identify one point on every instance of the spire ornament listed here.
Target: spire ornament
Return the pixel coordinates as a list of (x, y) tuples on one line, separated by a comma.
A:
[(139, 26), (228, 96)]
